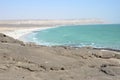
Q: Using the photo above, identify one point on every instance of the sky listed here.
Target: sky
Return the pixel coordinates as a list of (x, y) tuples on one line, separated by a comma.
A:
[(108, 10)]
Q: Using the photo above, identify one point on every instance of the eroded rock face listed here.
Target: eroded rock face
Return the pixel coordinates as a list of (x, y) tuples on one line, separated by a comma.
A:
[(112, 70), (104, 54), (117, 56), (34, 62)]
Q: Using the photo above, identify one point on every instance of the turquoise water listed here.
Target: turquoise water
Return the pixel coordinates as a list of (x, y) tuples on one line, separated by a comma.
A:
[(100, 36)]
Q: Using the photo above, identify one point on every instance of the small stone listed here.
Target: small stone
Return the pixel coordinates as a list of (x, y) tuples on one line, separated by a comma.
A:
[(117, 56)]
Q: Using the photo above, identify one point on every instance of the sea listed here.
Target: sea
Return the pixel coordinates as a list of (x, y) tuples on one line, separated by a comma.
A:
[(92, 35)]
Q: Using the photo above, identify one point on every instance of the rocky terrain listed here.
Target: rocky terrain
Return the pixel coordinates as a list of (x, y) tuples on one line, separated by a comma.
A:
[(20, 61)]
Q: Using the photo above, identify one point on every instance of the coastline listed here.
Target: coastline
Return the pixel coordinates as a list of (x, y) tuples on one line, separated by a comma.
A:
[(18, 34), (22, 32), (30, 62), (13, 27), (27, 61)]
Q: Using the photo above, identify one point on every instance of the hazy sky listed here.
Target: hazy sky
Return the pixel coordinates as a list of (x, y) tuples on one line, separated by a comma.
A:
[(108, 10)]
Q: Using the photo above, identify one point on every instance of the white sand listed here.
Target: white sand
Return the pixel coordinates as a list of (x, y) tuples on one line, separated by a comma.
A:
[(17, 34)]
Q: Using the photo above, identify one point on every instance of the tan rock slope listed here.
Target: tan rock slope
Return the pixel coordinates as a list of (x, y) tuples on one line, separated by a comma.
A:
[(19, 61)]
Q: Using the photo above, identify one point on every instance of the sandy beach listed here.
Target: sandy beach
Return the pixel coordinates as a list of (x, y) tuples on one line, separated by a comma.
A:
[(19, 33), (27, 61)]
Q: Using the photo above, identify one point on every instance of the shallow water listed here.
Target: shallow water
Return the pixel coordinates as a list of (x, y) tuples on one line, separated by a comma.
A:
[(100, 36)]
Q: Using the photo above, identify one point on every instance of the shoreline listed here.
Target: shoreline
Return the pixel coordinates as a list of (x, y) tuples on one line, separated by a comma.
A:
[(18, 29), (12, 25), (24, 31), (31, 62), (17, 34), (27, 61), (20, 34), (22, 38)]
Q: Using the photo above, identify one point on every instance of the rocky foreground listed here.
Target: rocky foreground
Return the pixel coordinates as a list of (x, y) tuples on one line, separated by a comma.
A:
[(19, 61)]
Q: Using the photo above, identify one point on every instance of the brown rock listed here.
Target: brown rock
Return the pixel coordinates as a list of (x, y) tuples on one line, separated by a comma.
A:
[(104, 54), (6, 39), (117, 56), (111, 70)]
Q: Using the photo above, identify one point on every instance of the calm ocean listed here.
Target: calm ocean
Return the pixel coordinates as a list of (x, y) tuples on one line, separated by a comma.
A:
[(100, 36)]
